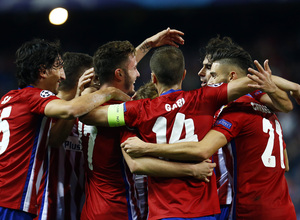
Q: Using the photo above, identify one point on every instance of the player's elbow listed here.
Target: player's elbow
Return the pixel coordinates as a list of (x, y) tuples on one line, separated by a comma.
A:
[(203, 155), (289, 107)]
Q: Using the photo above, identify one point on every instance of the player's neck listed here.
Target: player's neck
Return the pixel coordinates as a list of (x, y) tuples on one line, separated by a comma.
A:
[(163, 89), (67, 95)]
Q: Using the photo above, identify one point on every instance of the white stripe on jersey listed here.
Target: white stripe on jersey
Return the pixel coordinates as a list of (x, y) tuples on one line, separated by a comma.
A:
[(32, 173)]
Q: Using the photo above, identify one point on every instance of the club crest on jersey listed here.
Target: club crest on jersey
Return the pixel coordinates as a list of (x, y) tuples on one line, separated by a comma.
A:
[(215, 85), (46, 94)]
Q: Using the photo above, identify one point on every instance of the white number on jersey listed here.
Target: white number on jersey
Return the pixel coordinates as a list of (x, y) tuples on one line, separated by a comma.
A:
[(160, 129), (267, 158), (84, 130), (4, 128)]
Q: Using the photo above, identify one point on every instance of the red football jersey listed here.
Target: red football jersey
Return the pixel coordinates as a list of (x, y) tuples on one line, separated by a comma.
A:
[(61, 194), (178, 116), (255, 161), (223, 183), (111, 192), (23, 137)]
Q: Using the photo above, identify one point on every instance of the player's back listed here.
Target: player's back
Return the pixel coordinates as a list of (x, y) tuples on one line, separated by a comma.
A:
[(255, 161), (178, 116)]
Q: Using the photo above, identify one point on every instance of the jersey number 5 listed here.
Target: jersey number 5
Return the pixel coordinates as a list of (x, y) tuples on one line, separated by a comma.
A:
[(267, 158), (4, 128)]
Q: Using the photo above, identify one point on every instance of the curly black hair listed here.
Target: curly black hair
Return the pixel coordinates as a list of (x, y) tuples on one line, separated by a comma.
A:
[(32, 57)]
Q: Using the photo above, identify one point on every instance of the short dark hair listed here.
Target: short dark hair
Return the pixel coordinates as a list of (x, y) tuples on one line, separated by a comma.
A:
[(224, 48), (74, 66), (33, 56), (111, 56), (168, 64)]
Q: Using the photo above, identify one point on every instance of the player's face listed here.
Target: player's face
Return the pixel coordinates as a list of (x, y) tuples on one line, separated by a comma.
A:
[(55, 75), (131, 74), (204, 73), (218, 73)]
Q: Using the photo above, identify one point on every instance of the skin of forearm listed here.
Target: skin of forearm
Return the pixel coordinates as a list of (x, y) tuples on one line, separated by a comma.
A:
[(188, 151), (142, 49), (285, 85), (160, 168), (60, 131), (90, 101), (96, 117), (281, 101)]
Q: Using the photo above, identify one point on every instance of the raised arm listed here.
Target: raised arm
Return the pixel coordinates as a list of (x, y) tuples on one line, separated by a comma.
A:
[(186, 151), (286, 85), (262, 80), (279, 100), (160, 168), (166, 37)]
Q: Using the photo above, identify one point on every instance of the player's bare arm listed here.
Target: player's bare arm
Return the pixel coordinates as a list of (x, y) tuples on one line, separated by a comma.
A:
[(168, 36), (79, 106), (191, 151), (264, 79), (160, 168), (286, 85)]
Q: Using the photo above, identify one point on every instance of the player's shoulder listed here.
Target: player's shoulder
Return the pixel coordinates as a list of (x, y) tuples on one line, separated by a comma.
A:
[(248, 104)]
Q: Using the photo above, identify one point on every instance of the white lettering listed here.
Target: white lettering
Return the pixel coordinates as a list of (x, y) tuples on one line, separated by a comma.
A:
[(261, 108), (6, 99), (178, 104)]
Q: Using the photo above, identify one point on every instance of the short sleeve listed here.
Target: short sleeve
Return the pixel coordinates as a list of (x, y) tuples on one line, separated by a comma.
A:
[(229, 124), (132, 111), (39, 99)]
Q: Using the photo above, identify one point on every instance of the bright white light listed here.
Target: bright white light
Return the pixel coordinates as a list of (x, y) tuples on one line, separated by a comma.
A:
[(58, 16)]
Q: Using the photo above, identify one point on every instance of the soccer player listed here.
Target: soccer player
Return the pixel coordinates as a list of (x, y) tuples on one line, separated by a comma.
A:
[(23, 125), (226, 44), (63, 196), (255, 140), (175, 116), (111, 193)]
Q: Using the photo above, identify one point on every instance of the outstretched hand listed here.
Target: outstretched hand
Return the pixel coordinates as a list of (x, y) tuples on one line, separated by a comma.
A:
[(134, 147), (262, 77), (204, 169), (166, 37)]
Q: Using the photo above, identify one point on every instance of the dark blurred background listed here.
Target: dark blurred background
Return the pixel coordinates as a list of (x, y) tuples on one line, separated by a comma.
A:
[(268, 29)]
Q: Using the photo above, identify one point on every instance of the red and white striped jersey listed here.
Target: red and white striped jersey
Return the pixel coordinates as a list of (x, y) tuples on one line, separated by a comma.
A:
[(62, 194)]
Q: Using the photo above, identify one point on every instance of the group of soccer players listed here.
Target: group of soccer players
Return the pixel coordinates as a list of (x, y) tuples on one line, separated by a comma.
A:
[(86, 164)]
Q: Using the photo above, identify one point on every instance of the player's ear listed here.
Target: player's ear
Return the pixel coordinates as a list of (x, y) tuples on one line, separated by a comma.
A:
[(42, 71), (184, 74), (119, 74), (153, 78), (232, 76)]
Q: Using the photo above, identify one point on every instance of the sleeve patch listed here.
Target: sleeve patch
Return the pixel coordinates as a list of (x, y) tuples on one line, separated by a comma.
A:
[(223, 122), (215, 85), (46, 94)]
